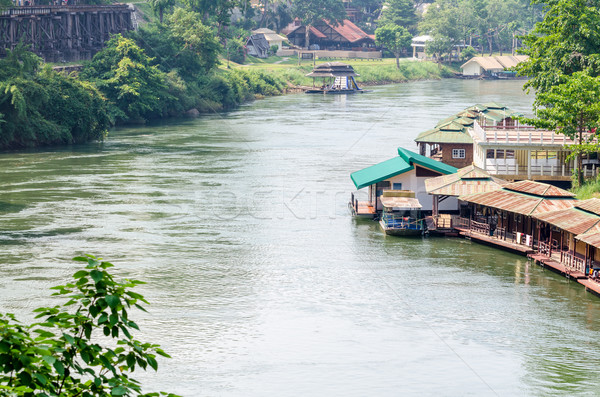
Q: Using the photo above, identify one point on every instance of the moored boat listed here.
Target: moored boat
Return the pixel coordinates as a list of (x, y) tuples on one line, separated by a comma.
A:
[(401, 214)]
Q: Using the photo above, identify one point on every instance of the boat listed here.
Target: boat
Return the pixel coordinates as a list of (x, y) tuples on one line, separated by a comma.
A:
[(401, 214), (338, 78)]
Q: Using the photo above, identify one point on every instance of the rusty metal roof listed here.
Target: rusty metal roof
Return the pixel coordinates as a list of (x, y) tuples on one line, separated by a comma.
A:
[(592, 237), (590, 205), (520, 203), (573, 220), (538, 189), (467, 180)]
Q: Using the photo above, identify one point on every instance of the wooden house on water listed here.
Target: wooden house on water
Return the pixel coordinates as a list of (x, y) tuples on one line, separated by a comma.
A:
[(407, 171), (338, 78), (568, 236), (451, 140), (467, 180), (508, 213)]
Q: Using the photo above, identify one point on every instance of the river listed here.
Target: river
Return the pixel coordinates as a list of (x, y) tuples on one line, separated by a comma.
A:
[(262, 284)]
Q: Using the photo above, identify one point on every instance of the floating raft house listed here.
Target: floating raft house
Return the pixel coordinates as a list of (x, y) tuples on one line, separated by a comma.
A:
[(338, 78)]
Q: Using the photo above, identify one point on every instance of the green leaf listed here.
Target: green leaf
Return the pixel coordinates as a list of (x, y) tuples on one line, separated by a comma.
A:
[(96, 275), (41, 378), (80, 274), (60, 368), (103, 318), (25, 378), (113, 301), (118, 391), (49, 359), (152, 362)]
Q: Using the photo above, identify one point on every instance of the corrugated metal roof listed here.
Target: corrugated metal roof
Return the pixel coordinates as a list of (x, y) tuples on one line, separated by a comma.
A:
[(590, 205), (519, 203), (573, 220), (401, 202), (592, 237), (439, 136), (467, 180), (332, 69), (538, 189), (396, 166), (497, 62)]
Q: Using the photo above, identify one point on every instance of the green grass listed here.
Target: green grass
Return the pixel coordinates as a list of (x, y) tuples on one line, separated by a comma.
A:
[(589, 189), (371, 72)]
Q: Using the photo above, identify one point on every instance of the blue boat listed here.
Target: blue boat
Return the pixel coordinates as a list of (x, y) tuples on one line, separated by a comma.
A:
[(401, 214)]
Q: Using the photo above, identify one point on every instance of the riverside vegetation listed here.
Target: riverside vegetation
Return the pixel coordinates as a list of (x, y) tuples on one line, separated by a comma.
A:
[(162, 70)]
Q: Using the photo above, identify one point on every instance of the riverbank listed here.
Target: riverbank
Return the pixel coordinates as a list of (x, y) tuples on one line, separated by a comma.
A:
[(371, 72)]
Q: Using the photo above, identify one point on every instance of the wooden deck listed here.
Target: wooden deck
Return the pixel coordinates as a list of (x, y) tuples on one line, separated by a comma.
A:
[(556, 266), (363, 209), (502, 244), (590, 285)]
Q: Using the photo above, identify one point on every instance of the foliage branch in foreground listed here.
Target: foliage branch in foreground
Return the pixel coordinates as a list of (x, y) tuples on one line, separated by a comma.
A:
[(83, 347)]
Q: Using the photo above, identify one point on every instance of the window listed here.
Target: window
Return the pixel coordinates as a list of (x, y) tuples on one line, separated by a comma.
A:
[(458, 153), (397, 186)]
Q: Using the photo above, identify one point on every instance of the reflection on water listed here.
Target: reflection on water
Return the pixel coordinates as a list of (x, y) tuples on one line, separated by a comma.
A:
[(260, 281)]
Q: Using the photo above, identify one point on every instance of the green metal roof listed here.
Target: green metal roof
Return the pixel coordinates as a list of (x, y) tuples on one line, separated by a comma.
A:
[(439, 136), (396, 166), (426, 162), (380, 172)]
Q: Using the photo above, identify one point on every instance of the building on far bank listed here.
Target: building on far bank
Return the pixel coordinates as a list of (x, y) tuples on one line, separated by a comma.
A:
[(491, 66)]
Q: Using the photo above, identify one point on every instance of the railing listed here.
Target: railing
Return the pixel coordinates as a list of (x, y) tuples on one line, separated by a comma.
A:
[(521, 135), (37, 10), (544, 248), (573, 263), (480, 227), (538, 170), (400, 222), (463, 223), (500, 233)]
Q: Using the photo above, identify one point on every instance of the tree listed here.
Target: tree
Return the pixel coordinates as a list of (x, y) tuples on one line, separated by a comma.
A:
[(313, 11), (159, 6), (187, 29), (399, 12), (566, 41), (123, 72), (571, 108), (217, 10), (83, 347), (395, 38)]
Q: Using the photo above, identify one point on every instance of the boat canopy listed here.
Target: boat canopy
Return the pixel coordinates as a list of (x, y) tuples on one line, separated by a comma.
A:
[(404, 203)]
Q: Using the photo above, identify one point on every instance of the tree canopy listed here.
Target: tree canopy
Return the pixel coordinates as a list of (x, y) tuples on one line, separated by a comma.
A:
[(395, 38), (566, 41), (399, 12), (571, 108)]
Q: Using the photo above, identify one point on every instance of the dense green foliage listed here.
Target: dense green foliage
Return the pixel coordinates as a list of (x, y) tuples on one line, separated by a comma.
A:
[(135, 88), (40, 107), (564, 69), (83, 347), (395, 38), (400, 13), (565, 42), (492, 25)]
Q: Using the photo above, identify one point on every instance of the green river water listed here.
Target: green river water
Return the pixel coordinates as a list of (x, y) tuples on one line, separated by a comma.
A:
[(262, 284)]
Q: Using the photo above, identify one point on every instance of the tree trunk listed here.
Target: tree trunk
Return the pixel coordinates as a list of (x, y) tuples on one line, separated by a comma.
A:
[(398, 60), (307, 36), (160, 14), (580, 155), (490, 39)]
